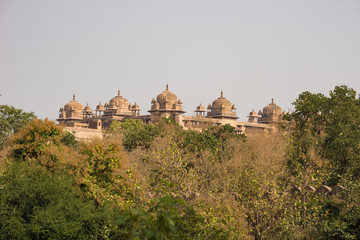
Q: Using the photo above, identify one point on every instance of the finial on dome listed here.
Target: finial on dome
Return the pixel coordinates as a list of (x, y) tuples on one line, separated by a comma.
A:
[(222, 94), (74, 96), (118, 92), (272, 101), (167, 87)]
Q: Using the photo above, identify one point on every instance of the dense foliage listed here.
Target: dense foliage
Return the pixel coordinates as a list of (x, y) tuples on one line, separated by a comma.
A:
[(11, 119), (158, 181)]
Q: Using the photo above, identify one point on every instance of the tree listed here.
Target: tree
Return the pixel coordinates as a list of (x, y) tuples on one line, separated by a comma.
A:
[(38, 204), (326, 133), (11, 119), (324, 148), (135, 133), (100, 167), (165, 217)]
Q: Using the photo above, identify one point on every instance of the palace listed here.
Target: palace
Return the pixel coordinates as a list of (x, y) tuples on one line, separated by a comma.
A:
[(220, 112)]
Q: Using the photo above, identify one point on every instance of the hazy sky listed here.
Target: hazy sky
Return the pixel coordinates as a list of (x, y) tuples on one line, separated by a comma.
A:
[(253, 50)]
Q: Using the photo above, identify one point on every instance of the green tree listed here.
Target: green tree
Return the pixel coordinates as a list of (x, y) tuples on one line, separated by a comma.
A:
[(324, 148), (165, 217), (108, 176), (100, 167), (11, 119), (38, 204), (325, 134), (135, 133)]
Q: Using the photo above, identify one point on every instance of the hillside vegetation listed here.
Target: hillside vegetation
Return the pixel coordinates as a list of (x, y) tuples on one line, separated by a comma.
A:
[(158, 181)]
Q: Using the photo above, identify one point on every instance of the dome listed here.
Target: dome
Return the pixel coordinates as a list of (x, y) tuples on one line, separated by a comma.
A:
[(136, 107), (100, 107), (87, 108), (221, 104), (222, 108), (271, 113), (73, 105), (166, 97), (180, 101), (271, 109), (118, 102), (252, 113), (200, 108)]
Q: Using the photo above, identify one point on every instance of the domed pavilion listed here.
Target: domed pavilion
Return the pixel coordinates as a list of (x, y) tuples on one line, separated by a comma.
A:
[(166, 105), (271, 113), (222, 108), (72, 110), (118, 106)]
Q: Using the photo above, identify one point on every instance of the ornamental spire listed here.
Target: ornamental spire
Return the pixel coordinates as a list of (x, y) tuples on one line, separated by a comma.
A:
[(167, 87)]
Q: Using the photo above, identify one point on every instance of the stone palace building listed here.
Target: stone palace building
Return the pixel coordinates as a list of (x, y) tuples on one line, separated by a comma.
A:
[(220, 112)]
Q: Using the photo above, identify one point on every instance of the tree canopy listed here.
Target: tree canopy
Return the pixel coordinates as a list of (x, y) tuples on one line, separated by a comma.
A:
[(11, 119)]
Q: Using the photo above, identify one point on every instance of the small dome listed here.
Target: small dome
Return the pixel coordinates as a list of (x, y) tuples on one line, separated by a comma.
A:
[(73, 105), (135, 107), (106, 104), (259, 112), (252, 113), (87, 108), (180, 101), (209, 106), (100, 107), (130, 105), (200, 108), (233, 107), (153, 101), (272, 108)]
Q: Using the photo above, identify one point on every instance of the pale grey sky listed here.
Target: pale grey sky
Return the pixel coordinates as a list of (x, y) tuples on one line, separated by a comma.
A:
[(253, 50)]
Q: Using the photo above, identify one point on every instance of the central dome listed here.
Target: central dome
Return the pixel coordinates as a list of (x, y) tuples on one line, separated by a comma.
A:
[(222, 108), (271, 113), (221, 104), (117, 106), (166, 97), (166, 105), (72, 110), (73, 105), (272, 108), (118, 101)]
